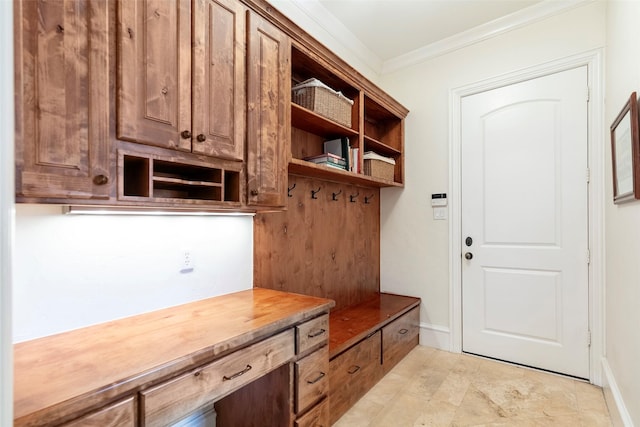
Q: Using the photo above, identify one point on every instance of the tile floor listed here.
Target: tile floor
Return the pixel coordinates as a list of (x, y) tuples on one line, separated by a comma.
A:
[(436, 388)]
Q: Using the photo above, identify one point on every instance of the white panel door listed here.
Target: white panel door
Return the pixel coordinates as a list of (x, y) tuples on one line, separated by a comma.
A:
[(524, 208)]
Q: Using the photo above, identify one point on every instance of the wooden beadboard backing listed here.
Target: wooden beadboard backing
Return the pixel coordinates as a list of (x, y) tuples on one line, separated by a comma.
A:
[(321, 247)]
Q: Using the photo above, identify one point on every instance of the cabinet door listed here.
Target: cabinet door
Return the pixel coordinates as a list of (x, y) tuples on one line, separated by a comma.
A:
[(121, 414), (62, 99), (269, 113), (219, 101), (154, 72)]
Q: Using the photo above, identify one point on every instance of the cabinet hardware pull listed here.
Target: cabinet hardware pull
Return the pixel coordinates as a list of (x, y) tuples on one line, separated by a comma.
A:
[(316, 334), (100, 179), (201, 137), (237, 374), (185, 134), (403, 331), (254, 192), (321, 376), (353, 369)]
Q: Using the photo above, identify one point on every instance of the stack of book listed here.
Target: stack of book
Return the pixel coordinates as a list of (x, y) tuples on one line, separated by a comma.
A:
[(328, 159)]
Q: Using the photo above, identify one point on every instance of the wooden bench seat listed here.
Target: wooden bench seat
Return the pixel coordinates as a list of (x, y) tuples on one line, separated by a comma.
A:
[(365, 341)]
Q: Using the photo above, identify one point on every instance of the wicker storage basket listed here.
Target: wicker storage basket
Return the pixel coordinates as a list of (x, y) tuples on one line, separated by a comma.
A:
[(321, 99), (377, 166)]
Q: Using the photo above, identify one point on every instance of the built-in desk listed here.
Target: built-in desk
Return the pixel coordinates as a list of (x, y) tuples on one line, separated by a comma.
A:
[(132, 371)]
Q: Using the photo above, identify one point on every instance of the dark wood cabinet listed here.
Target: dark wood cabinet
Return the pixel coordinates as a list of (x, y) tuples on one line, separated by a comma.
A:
[(63, 148), (181, 75), (268, 113)]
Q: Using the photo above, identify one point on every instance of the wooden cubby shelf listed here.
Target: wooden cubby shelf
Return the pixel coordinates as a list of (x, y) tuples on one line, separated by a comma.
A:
[(304, 168), (372, 144), (303, 118)]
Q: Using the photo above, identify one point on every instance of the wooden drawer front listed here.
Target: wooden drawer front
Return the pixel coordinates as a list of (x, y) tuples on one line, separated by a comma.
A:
[(312, 379), (121, 414), (312, 333), (318, 416), (399, 337), (352, 374), (173, 400)]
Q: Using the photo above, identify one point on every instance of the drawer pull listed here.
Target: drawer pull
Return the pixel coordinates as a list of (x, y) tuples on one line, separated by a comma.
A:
[(352, 370), (237, 374), (321, 376), (403, 331), (316, 334)]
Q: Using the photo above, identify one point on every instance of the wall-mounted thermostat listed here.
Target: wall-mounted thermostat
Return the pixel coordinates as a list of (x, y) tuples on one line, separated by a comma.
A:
[(439, 199), (439, 204)]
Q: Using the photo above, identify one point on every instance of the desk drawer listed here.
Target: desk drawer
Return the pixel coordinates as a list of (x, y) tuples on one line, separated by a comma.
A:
[(312, 379), (399, 337), (121, 414), (177, 398), (313, 333), (316, 417)]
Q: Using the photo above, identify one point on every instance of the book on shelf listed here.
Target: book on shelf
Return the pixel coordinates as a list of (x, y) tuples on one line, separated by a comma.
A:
[(326, 158), (339, 147)]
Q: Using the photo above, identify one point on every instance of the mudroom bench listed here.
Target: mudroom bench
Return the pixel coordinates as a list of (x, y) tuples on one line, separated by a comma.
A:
[(366, 340)]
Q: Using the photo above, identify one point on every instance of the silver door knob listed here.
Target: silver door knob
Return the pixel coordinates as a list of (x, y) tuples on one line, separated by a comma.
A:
[(468, 255)]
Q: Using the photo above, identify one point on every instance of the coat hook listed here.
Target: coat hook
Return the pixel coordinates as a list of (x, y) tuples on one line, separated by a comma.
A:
[(313, 193), (335, 195), (291, 189), (353, 197), (366, 199)]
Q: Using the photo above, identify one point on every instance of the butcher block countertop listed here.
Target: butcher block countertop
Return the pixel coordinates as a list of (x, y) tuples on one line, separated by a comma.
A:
[(59, 376)]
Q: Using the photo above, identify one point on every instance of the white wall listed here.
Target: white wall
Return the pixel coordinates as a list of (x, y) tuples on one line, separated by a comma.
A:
[(6, 210), (622, 223), (75, 270), (415, 248)]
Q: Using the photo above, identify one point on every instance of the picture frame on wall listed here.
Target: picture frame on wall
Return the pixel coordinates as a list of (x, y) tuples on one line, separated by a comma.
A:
[(625, 152)]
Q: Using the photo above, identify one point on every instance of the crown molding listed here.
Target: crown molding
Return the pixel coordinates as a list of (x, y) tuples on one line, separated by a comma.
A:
[(524, 17), (330, 31)]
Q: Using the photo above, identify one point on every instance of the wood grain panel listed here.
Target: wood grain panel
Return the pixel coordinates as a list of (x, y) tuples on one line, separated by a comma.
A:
[(219, 98), (121, 414), (160, 406), (353, 373), (128, 353), (62, 69), (269, 112), (154, 72), (312, 379), (321, 247)]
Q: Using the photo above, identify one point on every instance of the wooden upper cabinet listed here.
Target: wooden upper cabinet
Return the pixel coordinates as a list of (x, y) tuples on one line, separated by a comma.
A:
[(181, 74), (268, 113), (62, 99)]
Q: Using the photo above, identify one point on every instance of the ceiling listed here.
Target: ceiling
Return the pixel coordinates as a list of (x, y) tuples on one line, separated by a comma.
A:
[(391, 28)]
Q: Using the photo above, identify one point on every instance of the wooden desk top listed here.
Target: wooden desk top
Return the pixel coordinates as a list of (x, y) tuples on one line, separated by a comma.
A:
[(60, 375)]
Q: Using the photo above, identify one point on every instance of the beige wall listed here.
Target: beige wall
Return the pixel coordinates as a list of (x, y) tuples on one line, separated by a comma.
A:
[(622, 286), (415, 248)]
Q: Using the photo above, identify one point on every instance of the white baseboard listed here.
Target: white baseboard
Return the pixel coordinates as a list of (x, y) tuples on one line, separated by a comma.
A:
[(617, 409), (435, 336)]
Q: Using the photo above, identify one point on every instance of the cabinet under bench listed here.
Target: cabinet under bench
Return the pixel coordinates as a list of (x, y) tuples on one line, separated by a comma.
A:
[(366, 341)]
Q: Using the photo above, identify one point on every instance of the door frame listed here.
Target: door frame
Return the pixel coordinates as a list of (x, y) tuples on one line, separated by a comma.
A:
[(593, 60)]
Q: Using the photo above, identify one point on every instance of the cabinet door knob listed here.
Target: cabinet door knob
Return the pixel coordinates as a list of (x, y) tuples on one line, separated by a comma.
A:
[(254, 192), (185, 134), (100, 179), (201, 137)]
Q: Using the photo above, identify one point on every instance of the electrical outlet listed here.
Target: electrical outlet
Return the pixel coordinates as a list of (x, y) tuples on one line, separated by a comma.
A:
[(186, 265)]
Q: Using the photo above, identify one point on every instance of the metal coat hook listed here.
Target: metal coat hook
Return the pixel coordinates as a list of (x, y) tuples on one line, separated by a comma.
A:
[(335, 195), (313, 193), (291, 189), (366, 199), (353, 197)]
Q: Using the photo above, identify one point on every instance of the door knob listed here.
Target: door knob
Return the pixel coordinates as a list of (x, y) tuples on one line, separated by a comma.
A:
[(468, 255)]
